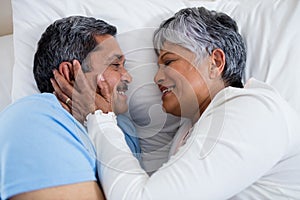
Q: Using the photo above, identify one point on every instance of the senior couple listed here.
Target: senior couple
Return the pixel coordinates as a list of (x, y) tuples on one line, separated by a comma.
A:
[(243, 142)]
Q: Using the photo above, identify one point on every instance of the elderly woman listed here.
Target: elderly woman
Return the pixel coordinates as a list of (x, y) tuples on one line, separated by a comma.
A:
[(244, 140)]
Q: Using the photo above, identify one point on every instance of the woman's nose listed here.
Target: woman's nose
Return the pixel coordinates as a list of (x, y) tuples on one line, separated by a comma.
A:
[(159, 76)]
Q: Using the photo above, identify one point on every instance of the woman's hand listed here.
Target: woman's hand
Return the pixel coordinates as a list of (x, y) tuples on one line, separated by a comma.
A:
[(81, 99)]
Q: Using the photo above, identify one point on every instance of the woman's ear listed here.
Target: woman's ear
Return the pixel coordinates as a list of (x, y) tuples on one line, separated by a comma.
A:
[(66, 70), (217, 63)]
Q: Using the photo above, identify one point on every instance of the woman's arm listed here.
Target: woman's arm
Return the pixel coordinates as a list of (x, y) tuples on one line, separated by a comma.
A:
[(225, 154)]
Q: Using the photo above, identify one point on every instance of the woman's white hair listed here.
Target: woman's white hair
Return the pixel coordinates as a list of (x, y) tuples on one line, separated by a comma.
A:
[(201, 31)]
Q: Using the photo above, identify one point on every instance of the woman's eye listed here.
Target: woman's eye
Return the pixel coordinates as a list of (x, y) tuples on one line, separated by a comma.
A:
[(168, 62)]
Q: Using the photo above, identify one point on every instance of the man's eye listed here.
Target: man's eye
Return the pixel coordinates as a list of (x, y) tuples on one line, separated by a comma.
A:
[(116, 65)]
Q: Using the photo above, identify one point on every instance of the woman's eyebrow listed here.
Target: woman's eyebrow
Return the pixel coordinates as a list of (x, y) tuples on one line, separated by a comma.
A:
[(164, 54)]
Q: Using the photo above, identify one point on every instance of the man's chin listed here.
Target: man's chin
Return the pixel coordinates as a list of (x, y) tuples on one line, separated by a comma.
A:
[(120, 109), (120, 104)]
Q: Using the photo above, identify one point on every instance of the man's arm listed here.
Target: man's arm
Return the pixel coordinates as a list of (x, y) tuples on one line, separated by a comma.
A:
[(86, 190), (45, 153)]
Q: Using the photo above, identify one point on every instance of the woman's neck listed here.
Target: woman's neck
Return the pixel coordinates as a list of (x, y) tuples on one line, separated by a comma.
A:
[(202, 108), (205, 103)]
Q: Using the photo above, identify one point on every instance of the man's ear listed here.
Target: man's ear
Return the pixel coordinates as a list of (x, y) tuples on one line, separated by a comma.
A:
[(67, 71), (217, 63)]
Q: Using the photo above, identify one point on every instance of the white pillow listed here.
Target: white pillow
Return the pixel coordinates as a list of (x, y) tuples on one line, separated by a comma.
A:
[(135, 21), (273, 36), (270, 28)]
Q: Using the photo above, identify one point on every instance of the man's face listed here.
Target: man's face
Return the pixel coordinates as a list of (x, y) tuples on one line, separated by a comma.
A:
[(107, 59)]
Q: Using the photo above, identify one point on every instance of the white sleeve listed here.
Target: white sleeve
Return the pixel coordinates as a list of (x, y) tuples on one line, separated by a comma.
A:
[(230, 148)]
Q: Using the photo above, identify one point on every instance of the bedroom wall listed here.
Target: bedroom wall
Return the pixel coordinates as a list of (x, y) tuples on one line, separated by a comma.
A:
[(6, 26)]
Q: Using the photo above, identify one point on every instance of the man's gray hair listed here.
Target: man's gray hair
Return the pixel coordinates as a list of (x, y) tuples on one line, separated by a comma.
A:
[(64, 40)]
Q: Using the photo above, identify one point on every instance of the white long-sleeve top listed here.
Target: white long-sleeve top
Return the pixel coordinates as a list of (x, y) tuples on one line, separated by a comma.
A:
[(246, 145)]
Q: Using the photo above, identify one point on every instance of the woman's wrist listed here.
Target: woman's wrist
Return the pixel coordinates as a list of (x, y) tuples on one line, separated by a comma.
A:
[(102, 104), (101, 117)]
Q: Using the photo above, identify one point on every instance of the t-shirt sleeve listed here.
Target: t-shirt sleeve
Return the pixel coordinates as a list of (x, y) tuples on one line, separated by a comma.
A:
[(42, 146)]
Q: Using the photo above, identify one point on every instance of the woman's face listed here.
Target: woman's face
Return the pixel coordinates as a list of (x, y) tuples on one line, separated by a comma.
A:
[(182, 83), (187, 87)]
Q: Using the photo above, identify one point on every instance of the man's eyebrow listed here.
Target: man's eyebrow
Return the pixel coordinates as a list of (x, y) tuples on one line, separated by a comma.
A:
[(114, 56), (110, 58)]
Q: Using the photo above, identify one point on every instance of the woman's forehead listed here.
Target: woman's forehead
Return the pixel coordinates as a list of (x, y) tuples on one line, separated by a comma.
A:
[(169, 48)]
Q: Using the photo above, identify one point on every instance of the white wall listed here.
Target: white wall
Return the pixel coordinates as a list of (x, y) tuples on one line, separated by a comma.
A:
[(6, 26)]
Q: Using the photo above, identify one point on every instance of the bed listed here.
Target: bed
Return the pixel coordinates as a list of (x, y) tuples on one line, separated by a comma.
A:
[(270, 28)]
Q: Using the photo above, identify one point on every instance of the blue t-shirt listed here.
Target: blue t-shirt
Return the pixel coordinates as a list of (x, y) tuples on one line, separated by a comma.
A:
[(131, 138), (42, 146)]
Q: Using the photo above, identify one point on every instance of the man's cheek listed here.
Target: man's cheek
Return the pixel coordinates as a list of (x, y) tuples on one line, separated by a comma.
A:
[(111, 80)]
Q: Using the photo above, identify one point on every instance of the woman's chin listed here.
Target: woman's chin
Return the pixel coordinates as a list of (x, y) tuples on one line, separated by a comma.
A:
[(171, 110)]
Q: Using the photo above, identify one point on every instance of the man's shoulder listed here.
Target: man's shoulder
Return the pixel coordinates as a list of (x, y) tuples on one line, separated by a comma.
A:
[(35, 105), (35, 101), (37, 129), (41, 98), (37, 112)]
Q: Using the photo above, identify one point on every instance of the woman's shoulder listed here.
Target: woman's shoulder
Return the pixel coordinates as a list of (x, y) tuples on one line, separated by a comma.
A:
[(254, 90)]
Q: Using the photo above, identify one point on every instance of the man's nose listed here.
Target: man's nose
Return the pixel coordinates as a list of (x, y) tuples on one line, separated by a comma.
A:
[(126, 76)]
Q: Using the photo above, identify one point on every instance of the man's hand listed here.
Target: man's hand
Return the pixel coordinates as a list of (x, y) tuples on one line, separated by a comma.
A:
[(81, 99)]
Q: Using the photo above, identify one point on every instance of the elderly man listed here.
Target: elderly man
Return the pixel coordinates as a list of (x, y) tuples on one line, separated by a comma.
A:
[(45, 151)]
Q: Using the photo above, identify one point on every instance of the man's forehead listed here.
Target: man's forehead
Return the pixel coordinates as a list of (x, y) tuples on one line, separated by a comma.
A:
[(108, 50), (107, 41), (107, 54)]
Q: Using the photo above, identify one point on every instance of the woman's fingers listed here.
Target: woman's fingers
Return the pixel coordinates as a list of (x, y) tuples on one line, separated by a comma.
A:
[(104, 102), (65, 88), (104, 87), (80, 80), (66, 107), (63, 98), (81, 99)]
